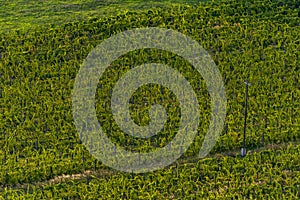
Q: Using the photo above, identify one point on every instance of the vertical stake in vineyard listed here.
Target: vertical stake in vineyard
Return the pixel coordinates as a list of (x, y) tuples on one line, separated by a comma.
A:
[(243, 150)]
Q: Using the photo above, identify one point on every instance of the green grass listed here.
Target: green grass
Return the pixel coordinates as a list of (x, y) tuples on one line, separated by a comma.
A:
[(25, 14)]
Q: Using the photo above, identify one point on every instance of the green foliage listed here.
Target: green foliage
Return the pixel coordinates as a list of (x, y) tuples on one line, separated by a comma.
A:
[(256, 41), (271, 174), (31, 15)]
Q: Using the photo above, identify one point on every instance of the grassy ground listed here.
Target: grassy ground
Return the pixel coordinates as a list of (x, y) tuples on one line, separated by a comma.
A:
[(25, 14)]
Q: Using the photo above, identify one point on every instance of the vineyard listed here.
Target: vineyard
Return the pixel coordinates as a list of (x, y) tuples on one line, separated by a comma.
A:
[(42, 156)]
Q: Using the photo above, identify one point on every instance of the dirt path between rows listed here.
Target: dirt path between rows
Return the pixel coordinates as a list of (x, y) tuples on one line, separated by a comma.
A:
[(109, 172)]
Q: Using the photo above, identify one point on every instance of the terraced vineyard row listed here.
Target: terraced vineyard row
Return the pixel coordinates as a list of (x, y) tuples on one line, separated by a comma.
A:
[(267, 174)]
